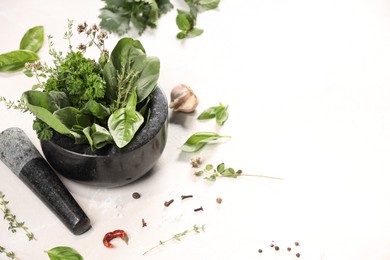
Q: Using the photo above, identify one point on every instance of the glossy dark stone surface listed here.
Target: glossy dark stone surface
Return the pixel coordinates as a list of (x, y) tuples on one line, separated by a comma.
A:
[(111, 166), (41, 179), (23, 159)]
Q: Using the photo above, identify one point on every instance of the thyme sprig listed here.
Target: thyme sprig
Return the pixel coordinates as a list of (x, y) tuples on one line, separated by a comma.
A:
[(8, 254), (13, 223), (20, 105), (179, 236), (211, 172)]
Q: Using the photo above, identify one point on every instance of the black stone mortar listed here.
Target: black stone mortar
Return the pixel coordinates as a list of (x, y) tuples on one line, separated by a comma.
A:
[(112, 166)]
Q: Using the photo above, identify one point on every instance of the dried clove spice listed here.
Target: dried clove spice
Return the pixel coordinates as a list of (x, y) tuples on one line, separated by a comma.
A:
[(199, 209), (167, 203), (186, 196), (144, 224)]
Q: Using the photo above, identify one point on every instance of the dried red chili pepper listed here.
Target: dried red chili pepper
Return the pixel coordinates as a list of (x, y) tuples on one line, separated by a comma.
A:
[(111, 235)]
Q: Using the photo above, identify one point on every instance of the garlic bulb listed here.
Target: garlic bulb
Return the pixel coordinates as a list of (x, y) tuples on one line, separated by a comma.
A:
[(183, 99)]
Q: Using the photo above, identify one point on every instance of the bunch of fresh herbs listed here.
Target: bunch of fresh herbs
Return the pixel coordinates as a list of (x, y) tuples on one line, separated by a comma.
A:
[(96, 102)]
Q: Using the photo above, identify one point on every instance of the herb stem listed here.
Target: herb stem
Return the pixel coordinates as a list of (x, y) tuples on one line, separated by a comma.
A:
[(261, 176), (177, 236), (13, 224), (8, 254)]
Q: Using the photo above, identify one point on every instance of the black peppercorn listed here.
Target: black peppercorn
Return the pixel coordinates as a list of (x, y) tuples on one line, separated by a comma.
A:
[(136, 195)]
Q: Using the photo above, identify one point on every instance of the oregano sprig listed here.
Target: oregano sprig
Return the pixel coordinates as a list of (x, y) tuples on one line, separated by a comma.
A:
[(8, 254), (178, 236), (13, 223), (211, 173)]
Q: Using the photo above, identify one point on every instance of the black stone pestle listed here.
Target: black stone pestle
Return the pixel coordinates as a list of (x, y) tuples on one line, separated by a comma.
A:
[(23, 159)]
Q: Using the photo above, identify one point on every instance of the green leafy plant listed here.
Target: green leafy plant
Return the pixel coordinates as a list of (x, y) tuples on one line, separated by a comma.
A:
[(198, 140), (92, 102), (31, 42), (120, 16), (13, 223), (63, 253), (220, 114), (178, 236), (186, 21)]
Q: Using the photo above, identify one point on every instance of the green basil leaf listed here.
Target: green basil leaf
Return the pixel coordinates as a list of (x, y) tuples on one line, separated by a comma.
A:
[(51, 101), (198, 140), (209, 4), (222, 115), (124, 122), (33, 39), (184, 20), (100, 136), (67, 116), (130, 55), (229, 172), (194, 32), (36, 104), (208, 113), (181, 35), (125, 51), (220, 167), (15, 60), (147, 80), (96, 109), (97, 136), (64, 253)]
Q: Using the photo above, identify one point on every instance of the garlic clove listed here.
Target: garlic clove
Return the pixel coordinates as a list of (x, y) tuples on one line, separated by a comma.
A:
[(183, 99), (188, 106)]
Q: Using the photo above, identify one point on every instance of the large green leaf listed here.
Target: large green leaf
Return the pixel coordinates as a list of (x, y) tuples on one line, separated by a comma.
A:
[(97, 136), (15, 60), (96, 109), (33, 39), (124, 51), (129, 55), (124, 122), (41, 107), (147, 81), (63, 253)]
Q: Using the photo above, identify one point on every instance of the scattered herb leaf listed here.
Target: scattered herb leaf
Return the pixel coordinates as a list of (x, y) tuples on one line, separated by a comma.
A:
[(198, 140), (15, 60), (178, 236), (63, 253), (33, 39), (220, 114)]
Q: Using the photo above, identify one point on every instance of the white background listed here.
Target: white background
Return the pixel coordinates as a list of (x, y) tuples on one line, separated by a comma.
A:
[(308, 89)]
